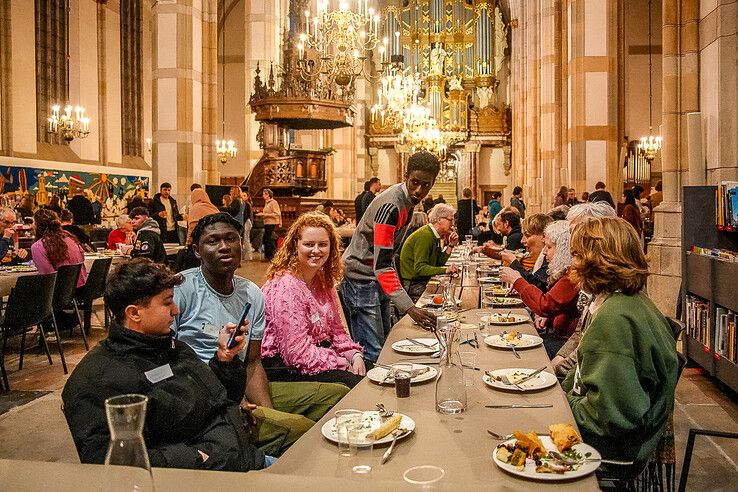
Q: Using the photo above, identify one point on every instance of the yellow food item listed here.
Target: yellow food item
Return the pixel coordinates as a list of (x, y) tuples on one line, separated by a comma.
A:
[(518, 458), (564, 436), (531, 443), (503, 454), (386, 428), (513, 335)]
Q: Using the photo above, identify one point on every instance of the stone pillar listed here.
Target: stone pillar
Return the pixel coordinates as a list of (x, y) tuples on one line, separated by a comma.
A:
[(680, 33), (184, 94)]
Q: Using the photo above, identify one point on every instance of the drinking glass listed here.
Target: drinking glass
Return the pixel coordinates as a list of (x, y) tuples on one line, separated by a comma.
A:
[(127, 464), (469, 362), (424, 476), (361, 449), (403, 375), (344, 420)]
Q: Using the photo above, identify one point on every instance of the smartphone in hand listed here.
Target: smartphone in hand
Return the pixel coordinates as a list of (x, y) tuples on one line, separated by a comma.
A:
[(232, 338)]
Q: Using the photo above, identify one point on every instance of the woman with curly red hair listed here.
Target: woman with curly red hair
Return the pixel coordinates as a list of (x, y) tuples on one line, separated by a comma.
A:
[(55, 247), (304, 338)]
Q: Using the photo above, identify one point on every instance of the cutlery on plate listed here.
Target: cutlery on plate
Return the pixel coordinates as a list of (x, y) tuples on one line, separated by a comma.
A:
[(383, 412), (510, 436), (416, 342), (515, 352), (503, 378), (569, 461), (387, 454), (532, 375), (521, 405)]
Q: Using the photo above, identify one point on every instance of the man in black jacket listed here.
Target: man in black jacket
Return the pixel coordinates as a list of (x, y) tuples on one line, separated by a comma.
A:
[(374, 186), (148, 240), (358, 201), (165, 212), (81, 208), (192, 418)]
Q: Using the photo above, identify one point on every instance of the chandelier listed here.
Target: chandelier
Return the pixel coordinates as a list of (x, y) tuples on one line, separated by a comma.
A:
[(225, 148), (649, 146), (335, 43), (397, 93), (69, 126), (420, 131)]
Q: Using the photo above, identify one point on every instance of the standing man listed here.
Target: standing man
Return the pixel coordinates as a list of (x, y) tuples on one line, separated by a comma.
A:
[(166, 213), (211, 296), (148, 236), (467, 210), (370, 279), (517, 201), (601, 195), (358, 200), (81, 208), (494, 206), (272, 216), (374, 187)]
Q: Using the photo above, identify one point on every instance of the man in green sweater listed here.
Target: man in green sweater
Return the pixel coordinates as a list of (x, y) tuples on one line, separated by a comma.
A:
[(425, 252), (621, 391)]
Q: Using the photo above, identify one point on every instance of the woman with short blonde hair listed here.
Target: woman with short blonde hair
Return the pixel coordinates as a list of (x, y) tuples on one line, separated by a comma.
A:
[(304, 338), (621, 391)]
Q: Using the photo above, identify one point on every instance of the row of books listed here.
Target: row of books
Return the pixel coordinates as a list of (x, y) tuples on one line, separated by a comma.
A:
[(726, 206), (726, 342), (723, 254), (698, 319)]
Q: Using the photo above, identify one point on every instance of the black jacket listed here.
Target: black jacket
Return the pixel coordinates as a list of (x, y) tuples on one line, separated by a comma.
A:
[(515, 239), (157, 206), (467, 209), (539, 278), (601, 196), (358, 207), (81, 209), (366, 200), (193, 410), (148, 242)]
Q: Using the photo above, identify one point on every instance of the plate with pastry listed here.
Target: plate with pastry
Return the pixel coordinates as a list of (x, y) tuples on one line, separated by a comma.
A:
[(505, 318), (561, 455), (509, 339), (377, 427), (497, 290), (506, 379), (489, 280), (502, 301)]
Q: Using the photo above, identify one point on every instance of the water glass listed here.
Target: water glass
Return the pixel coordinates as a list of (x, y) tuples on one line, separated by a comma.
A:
[(344, 420), (425, 477), (469, 362), (361, 449)]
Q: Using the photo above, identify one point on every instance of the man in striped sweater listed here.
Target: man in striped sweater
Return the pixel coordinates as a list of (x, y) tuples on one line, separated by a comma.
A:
[(370, 279)]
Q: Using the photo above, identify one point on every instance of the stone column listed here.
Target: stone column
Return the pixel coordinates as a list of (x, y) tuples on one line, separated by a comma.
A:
[(184, 94), (680, 34)]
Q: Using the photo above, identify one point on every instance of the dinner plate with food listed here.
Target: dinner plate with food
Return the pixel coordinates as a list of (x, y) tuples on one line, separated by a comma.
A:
[(502, 301), (513, 339), (518, 379), (377, 427), (498, 290), (489, 280), (419, 373), (561, 455), (435, 302), (505, 318), (416, 346)]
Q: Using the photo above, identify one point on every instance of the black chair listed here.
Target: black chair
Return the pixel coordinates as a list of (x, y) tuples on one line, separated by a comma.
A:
[(693, 433), (93, 289), (30, 303), (64, 292), (99, 245)]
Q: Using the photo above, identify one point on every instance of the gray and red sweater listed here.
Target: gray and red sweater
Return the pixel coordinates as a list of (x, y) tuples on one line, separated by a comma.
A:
[(377, 236)]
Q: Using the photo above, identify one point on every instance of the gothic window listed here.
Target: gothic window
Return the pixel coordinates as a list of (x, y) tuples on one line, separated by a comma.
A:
[(52, 62), (131, 70)]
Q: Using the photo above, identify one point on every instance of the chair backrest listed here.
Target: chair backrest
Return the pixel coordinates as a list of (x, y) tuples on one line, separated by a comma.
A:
[(96, 278), (98, 245), (31, 301), (66, 285)]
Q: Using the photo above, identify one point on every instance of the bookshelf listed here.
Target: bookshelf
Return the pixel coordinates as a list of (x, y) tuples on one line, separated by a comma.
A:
[(710, 284)]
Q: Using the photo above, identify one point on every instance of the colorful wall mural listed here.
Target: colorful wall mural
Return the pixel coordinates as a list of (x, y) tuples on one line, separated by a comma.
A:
[(112, 190)]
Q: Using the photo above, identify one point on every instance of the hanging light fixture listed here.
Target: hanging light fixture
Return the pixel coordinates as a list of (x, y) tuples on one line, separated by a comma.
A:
[(397, 93), (650, 145), (224, 148), (67, 125)]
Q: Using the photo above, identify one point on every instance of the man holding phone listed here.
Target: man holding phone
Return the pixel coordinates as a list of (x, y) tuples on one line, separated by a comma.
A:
[(211, 296)]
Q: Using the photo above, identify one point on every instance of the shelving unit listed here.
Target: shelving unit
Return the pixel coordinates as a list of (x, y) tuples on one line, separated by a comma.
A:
[(712, 279)]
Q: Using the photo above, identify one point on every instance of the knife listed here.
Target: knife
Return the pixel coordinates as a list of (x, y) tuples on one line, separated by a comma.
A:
[(532, 375), (521, 405), (412, 340)]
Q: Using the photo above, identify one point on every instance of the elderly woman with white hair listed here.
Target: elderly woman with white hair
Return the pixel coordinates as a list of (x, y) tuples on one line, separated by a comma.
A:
[(559, 304), (426, 250), (123, 234), (588, 210)]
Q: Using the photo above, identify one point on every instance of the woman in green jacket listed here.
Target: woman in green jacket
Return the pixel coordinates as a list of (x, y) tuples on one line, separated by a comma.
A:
[(621, 391)]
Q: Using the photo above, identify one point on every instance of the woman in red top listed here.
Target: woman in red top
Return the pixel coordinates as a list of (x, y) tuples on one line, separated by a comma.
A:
[(123, 234), (631, 212), (557, 308)]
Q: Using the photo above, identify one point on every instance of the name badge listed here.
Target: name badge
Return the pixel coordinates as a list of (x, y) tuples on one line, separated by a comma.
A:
[(211, 330), (315, 317), (159, 374)]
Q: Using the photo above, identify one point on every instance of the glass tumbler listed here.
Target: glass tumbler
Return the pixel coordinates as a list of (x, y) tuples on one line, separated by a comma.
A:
[(344, 419), (127, 460)]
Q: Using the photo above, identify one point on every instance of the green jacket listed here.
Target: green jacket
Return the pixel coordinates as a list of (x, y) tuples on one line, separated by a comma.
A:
[(421, 256), (622, 389)]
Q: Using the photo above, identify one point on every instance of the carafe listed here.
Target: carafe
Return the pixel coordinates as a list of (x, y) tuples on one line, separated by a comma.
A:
[(450, 387), (127, 465)]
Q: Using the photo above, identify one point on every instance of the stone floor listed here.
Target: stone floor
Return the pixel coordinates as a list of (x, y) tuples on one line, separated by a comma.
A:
[(32, 425)]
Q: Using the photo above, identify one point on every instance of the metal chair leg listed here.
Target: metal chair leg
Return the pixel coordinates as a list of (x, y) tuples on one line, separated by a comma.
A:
[(58, 343), (22, 349), (81, 325), (42, 335), (6, 383)]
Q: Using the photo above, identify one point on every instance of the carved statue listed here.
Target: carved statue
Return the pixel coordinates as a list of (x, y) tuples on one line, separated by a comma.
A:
[(437, 57), (485, 96), (500, 40), (455, 84)]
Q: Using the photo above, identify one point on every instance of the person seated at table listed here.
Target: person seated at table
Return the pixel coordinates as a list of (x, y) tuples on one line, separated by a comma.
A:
[(304, 338), (67, 222), (148, 238), (200, 206), (123, 234), (425, 252), (192, 414), (505, 230), (7, 238), (55, 247), (533, 267), (556, 309), (212, 295), (621, 390)]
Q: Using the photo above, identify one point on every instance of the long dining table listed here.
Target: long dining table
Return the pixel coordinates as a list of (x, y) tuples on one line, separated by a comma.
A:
[(458, 443)]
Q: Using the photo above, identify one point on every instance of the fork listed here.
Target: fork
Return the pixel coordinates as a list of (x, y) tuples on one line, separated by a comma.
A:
[(504, 379), (383, 412), (388, 453)]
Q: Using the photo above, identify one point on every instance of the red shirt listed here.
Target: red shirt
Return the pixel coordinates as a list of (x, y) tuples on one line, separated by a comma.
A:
[(558, 304), (116, 236)]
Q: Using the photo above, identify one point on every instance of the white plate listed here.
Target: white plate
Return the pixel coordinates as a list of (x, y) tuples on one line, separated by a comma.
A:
[(406, 347), (541, 380), (530, 466), (497, 290), (372, 420), (526, 341), (429, 304), (502, 301), (495, 319), (489, 280), (377, 374)]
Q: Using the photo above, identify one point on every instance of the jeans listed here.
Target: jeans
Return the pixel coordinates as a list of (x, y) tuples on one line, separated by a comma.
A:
[(368, 318)]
